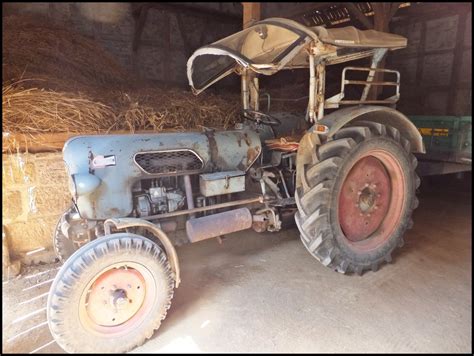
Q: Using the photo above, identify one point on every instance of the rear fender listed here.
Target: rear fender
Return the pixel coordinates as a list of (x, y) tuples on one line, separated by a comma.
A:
[(381, 114), (338, 119)]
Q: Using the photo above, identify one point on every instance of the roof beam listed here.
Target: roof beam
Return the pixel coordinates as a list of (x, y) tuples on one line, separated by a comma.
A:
[(359, 15), (251, 13), (198, 11)]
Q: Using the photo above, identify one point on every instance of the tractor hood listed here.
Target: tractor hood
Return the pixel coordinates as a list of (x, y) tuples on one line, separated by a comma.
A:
[(103, 168), (263, 48)]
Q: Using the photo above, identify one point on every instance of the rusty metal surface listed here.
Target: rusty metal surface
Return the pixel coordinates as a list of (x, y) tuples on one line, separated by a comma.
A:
[(116, 296), (212, 184), (258, 199), (364, 199), (395, 198), (218, 224), (125, 310), (219, 151)]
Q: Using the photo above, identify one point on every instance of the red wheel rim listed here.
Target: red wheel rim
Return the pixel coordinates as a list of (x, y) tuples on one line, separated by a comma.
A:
[(117, 299), (371, 200)]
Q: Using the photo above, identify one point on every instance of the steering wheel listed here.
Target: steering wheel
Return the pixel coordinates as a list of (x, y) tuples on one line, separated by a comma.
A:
[(260, 117)]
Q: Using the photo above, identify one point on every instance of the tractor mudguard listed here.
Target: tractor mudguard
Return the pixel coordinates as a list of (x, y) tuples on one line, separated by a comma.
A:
[(338, 119), (381, 114), (124, 223)]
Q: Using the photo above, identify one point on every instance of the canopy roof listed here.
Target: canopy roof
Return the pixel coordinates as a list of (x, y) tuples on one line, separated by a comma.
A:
[(274, 44)]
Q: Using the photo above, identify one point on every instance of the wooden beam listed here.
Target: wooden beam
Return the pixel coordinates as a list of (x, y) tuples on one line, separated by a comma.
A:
[(251, 13), (383, 13), (188, 48), (358, 15), (139, 16), (304, 8), (210, 14), (47, 142)]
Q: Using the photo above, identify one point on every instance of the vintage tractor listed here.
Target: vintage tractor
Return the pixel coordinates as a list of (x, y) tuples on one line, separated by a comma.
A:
[(347, 177)]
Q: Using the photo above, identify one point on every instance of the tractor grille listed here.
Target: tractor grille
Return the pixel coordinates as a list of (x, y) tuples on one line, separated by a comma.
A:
[(169, 162)]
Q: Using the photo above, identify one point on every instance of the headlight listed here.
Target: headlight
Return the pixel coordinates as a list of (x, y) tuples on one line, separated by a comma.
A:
[(83, 183)]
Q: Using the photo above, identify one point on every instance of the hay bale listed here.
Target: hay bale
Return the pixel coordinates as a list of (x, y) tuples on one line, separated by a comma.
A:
[(38, 110), (34, 47)]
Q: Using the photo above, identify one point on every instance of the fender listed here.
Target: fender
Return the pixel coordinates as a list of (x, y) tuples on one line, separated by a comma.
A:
[(381, 114), (338, 119), (155, 230)]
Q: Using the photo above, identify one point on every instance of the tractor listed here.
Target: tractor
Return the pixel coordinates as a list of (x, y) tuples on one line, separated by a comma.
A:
[(344, 172)]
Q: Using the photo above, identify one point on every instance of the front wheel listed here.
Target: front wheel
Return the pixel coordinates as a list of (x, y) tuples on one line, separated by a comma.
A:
[(356, 199), (110, 295)]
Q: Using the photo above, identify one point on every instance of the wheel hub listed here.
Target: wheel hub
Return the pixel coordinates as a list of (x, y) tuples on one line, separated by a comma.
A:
[(364, 199), (116, 296)]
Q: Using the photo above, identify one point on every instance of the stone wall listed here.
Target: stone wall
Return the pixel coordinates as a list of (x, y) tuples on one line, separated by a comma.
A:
[(35, 194)]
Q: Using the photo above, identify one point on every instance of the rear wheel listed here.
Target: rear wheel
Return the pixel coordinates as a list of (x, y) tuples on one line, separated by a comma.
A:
[(357, 197), (110, 295)]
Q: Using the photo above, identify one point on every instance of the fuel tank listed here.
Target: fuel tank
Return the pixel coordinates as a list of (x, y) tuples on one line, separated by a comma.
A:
[(103, 168)]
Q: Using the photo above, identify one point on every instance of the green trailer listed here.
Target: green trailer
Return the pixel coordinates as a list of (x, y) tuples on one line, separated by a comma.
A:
[(448, 143)]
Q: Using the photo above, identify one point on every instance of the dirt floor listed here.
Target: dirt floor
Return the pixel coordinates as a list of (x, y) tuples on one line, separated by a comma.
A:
[(265, 293)]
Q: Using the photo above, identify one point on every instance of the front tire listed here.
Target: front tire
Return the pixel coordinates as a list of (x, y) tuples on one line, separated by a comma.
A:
[(110, 295), (356, 199)]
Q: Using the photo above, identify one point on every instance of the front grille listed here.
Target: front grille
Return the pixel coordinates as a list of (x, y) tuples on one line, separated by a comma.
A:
[(169, 162)]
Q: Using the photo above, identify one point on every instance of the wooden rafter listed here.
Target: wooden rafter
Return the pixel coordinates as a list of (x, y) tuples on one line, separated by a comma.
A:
[(251, 13), (359, 15)]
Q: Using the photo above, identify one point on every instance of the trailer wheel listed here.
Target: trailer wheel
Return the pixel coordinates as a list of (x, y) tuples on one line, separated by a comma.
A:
[(358, 197), (110, 295)]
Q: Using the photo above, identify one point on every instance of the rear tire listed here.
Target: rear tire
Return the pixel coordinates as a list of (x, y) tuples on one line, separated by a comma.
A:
[(110, 295), (352, 221)]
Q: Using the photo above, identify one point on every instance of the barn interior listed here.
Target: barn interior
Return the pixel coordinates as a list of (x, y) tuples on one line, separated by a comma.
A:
[(72, 69)]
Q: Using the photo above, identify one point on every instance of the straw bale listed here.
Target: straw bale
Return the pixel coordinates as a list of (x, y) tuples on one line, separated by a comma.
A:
[(31, 235), (17, 170), (51, 170), (11, 205), (34, 47), (47, 203)]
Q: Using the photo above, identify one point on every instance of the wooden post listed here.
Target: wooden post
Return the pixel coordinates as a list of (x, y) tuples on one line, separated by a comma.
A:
[(251, 13), (383, 13)]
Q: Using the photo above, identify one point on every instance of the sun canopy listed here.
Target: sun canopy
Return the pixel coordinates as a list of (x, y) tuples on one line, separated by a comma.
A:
[(272, 44)]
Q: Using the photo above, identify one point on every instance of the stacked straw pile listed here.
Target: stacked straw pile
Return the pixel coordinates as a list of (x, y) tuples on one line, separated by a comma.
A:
[(55, 80)]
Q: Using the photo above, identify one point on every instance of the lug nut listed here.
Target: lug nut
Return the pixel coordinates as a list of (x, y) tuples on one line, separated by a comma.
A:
[(366, 185)]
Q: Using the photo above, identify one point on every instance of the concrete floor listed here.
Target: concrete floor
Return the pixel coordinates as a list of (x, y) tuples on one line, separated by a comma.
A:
[(265, 293)]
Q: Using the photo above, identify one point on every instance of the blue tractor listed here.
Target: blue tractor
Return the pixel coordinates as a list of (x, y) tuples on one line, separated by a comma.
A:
[(346, 176)]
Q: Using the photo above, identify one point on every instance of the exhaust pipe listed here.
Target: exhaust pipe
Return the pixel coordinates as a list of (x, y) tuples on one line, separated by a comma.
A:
[(199, 229)]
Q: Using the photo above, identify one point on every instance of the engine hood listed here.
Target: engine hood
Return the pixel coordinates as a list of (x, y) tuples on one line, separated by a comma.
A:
[(119, 160)]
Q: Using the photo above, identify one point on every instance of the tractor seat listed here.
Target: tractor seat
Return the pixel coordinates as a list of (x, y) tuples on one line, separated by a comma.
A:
[(351, 37)]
